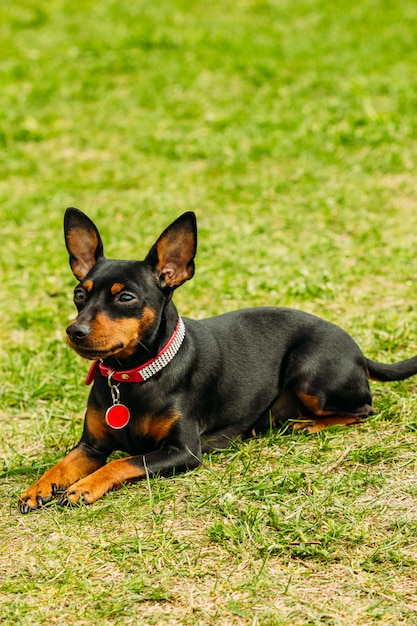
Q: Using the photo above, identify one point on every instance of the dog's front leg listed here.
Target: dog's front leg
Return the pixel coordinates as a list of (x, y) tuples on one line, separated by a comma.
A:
[(81, 461), (130, 469)]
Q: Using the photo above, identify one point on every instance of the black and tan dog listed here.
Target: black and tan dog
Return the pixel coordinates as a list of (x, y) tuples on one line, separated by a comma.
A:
[(166, 389)]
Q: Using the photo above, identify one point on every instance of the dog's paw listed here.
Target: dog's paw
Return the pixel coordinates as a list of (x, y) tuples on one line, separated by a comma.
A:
[(37, 496), (84, 491), (312, 426)]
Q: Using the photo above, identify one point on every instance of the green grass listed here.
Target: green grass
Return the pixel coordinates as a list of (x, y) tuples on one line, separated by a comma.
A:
[(290, 128)]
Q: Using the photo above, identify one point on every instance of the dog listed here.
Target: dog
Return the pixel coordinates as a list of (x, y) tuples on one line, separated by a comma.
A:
[(167, 389)]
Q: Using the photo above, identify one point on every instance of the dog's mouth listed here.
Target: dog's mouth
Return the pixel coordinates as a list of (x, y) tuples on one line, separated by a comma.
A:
[(95, 353)]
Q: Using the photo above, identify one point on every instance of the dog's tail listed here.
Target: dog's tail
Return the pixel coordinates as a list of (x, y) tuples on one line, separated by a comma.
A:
[(393, 371)]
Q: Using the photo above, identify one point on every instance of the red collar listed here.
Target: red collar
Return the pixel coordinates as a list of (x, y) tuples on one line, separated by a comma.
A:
[(147, 370)]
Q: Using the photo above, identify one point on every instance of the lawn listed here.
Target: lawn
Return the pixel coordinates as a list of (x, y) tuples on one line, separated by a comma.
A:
[(290, 128)]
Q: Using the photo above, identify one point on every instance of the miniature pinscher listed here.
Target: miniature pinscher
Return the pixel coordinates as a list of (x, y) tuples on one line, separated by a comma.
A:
[(166, 388)]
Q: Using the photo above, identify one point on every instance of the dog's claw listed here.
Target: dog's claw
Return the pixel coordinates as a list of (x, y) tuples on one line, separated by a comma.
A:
[(63, 500)]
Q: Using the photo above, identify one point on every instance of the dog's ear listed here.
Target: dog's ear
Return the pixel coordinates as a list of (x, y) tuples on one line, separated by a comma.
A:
[(83, 242), (172, 256)]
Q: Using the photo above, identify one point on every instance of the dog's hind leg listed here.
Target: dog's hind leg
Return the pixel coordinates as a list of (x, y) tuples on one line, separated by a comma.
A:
[(306, 413), (316, 418)]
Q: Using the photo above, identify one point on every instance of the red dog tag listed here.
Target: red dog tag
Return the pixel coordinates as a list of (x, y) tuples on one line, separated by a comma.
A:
[(117, 416)]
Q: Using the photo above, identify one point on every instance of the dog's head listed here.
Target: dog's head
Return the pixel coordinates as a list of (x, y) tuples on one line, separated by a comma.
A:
[(120, 303)]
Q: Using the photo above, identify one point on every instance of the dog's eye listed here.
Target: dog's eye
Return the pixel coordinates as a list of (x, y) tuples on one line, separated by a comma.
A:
[(125, 297), (79, 294)]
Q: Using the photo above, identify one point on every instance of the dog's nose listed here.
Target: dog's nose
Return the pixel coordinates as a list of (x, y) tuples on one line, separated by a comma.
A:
[(78, 332)]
